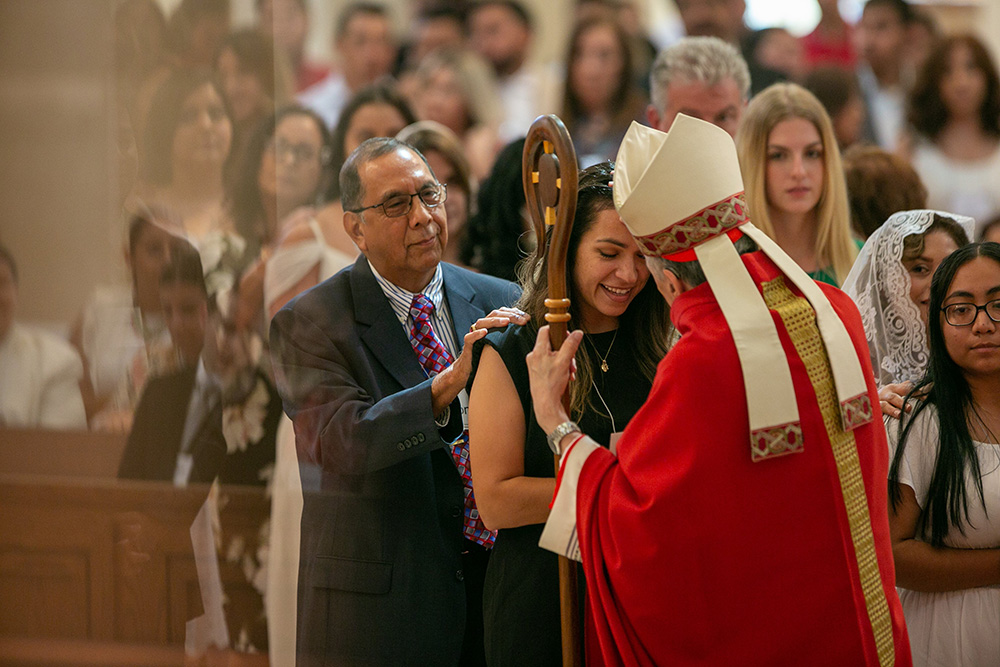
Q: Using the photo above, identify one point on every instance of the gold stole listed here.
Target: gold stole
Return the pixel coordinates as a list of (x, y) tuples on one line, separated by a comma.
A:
[(799, 319)]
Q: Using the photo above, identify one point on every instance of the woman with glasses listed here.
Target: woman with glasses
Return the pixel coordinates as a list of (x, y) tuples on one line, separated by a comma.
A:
[(890, 283), (626, 325), (271, 200), (944, 481)]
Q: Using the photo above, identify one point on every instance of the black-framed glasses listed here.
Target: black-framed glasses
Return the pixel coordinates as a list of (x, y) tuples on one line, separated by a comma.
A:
[(397, 206), (964, 314)]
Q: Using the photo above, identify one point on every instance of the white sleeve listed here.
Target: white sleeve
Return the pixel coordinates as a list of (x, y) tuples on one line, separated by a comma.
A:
[(920, 455), (559, 534), (61, 404)]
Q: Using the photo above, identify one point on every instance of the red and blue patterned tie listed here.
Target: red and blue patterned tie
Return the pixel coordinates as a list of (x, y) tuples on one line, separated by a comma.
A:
[(435, 357)]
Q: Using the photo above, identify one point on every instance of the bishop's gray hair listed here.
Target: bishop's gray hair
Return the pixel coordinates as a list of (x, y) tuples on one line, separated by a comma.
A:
[(705, 59), (691, 272)]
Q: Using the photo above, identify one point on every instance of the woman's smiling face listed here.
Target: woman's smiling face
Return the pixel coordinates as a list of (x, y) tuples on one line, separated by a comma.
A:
[(609, 272)]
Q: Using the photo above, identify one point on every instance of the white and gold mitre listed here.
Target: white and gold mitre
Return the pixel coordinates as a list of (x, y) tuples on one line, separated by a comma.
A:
[(680, 193)]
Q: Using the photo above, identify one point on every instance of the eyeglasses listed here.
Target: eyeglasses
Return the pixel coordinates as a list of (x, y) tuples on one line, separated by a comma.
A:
[(397, 206), (964, 314), (298, 152)]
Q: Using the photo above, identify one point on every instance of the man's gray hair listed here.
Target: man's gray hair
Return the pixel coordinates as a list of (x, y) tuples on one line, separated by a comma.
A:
[(705, 59), (691, 272), (352, 190)]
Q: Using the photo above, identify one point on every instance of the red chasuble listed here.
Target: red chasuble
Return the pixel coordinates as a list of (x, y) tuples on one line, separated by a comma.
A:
[(694, 554)]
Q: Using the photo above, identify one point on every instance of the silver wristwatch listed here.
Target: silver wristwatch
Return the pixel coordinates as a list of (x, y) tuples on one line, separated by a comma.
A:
[(559, 433)]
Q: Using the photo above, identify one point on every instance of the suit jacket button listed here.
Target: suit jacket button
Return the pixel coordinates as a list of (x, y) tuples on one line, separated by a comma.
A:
[(459, 575), (456, 511), (400, 446)]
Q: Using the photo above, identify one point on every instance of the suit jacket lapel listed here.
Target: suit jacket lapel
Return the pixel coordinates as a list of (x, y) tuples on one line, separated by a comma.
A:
[(380, 330), (460, 293)]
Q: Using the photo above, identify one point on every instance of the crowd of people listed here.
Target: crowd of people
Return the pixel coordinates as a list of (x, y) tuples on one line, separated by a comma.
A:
[(392, 183)]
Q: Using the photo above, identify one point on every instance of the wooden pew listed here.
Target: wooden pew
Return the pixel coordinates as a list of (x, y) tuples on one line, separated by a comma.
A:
[(60, 453), (99, 571)]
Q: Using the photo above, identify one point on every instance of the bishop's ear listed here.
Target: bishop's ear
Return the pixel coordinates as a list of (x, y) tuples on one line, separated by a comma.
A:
[(669, 285)]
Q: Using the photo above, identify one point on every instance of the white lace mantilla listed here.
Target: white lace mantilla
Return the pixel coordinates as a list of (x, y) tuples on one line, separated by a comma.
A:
[(880, 286)]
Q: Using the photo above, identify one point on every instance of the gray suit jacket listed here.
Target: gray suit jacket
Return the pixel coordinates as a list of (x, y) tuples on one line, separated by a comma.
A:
[(380, 579)]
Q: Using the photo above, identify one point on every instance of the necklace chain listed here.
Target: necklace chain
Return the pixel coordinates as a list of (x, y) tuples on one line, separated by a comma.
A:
[(604, 359)]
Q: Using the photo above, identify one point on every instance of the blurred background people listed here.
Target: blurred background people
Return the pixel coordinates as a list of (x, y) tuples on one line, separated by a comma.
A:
[(177, 432), (702, 77), (272, 202), (831, 43), (366, 51), (778, 50), (879, 184), (457, 89), (255, 80), (376, 111), (184, 161), (955, 114), (286, 23), (601, 98), (448, 163), (990, 231), (501, 31), (196, 29), (837, 90), (884, 73), (436, 27), (724, 19), (795, 182), (39, 372), (121, 332)]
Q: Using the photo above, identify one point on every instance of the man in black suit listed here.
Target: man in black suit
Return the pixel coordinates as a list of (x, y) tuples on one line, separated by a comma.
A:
[(177, 429), (388, 574)]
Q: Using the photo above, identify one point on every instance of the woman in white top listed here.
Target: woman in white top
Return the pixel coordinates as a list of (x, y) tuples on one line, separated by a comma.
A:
[(944, 481), (955, 114)]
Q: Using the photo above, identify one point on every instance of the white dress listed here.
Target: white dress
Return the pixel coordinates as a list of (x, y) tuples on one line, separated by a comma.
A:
[(967, 188), (958, 628)]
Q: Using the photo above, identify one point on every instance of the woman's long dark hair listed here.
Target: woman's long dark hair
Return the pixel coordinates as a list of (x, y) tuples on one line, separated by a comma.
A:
[(492, 242), (243, 191), (645, 324), (627, 101), (156, 158), (948, 390)]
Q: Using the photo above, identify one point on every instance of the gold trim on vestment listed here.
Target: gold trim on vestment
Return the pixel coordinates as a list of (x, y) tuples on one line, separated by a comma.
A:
[(799, 319)]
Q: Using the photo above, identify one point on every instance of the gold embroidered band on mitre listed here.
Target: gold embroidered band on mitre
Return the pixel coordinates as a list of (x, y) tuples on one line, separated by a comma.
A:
[(685, 234), (799, 319)]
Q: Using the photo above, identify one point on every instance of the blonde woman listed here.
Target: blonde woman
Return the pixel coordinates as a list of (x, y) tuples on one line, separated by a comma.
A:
[(795, 182)]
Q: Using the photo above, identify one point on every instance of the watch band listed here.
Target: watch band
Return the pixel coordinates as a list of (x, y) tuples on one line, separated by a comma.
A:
[(560, 432)]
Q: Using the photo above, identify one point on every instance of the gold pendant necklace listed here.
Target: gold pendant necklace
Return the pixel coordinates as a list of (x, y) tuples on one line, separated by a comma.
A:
[(604, 359)]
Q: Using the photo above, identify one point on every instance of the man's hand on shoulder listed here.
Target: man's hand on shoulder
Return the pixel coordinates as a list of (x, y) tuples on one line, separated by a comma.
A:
[(451, 381)]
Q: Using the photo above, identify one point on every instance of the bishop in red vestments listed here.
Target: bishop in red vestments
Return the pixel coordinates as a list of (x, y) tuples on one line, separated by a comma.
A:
[(743, 520)]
